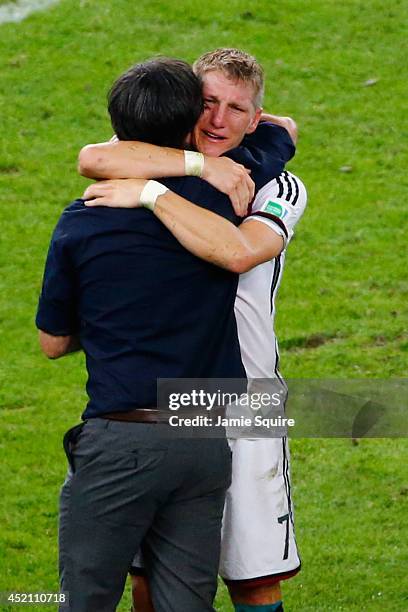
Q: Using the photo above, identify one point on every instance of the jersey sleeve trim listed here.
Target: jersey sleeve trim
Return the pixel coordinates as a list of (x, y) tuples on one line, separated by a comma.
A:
[(276, 220), (269, 221)]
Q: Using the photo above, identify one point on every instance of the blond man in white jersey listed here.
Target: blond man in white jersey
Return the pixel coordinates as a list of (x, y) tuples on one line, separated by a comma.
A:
[(258, 547)]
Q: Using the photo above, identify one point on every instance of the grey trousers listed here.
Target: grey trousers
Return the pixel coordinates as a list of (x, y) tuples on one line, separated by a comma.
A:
[(132, 487)]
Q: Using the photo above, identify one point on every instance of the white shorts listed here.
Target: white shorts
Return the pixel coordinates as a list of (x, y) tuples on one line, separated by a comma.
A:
[(258, 538)]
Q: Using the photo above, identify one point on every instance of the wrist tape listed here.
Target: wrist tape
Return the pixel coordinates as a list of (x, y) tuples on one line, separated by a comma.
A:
[(150, 192), (193, 163)]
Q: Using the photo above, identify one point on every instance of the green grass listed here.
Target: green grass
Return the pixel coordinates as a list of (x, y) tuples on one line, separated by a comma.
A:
[(345, 279)]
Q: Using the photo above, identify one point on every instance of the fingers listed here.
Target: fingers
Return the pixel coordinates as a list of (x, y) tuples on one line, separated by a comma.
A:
[(115, 194), (95, 190), (243, 197), (251, 187), (231, 178), (242, 174), (98, 201), (240, 198), (99, 194), (235, 201), (242, 192), (88, 193)]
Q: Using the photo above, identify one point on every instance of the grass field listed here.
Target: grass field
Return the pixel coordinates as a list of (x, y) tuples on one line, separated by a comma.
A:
[(340, 70)]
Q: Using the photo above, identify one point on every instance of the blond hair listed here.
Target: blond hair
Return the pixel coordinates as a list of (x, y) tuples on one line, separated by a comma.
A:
[(236, 65)]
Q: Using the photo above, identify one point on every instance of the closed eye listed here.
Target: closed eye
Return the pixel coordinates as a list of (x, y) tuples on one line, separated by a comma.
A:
[(208, 102)]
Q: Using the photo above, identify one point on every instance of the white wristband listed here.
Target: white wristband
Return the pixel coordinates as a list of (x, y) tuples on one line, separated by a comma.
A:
[(193, 163), (150, 192)]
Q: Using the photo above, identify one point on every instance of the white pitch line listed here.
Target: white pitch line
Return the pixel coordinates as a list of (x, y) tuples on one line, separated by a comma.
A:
[(17, 11)]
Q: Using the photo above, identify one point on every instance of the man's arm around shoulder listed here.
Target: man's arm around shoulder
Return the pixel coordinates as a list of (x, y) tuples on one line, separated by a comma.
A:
[(214, 238), (287, 123)]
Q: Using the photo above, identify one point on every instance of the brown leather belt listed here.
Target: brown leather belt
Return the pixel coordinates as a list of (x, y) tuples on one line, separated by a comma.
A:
[(153, 415)]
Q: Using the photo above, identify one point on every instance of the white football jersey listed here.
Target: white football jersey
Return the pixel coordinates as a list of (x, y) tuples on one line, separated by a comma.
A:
[(279, 204)]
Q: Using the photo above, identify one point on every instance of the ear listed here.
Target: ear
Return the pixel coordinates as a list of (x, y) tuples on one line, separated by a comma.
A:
[(254, 123)]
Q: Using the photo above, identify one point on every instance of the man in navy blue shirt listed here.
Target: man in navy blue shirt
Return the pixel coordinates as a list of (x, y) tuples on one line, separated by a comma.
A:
[(142, 308), (232, 89)]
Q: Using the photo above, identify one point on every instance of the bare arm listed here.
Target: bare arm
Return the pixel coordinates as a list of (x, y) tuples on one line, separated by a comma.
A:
[(202, 232), (215, 239), (286, 122), (58, 346), (131, 159)]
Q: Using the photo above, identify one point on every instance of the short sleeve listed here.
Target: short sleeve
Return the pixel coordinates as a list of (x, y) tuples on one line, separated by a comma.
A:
[(280, 204), (57, 308)]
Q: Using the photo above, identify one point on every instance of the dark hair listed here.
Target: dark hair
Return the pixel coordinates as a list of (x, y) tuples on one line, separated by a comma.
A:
[(158, 101)]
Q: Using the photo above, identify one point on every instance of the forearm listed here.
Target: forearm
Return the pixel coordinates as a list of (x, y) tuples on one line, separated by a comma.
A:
[(129, 159), (204, 233), (55, 347)]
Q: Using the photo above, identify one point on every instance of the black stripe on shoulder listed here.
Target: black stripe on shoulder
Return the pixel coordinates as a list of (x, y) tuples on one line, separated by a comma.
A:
[(276, 220), (278, 180), (297, 191), (287, 179)]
